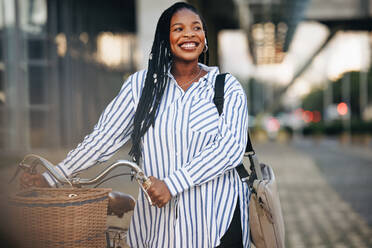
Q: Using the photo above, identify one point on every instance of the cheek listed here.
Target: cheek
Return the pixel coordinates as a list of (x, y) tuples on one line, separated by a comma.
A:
[(172, 43), (172, 48)]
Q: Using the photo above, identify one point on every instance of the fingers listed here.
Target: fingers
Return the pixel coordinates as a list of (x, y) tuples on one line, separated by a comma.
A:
[(150, 187), (159, 202), (158, 192)]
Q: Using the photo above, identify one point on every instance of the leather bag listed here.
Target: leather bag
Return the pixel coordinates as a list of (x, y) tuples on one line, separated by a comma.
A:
[(265, 212)]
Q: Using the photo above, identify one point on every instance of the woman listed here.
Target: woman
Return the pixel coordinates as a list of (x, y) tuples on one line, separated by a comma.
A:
[(180, 140)]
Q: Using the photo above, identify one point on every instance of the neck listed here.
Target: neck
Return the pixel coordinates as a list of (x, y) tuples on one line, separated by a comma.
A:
[(184, 69)]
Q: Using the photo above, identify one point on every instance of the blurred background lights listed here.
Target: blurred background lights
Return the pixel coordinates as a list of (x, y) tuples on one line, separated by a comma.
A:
[(342, 108), (84, 37), (273, 124), (268, 42), (114, 50), (61, 43), (317, 117), (307, 116)]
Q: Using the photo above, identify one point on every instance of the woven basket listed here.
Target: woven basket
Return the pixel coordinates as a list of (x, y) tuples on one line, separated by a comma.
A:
[(49, 217)]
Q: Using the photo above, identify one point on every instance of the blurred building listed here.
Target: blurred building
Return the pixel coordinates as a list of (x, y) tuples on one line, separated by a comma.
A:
[(61, 62), (288, 39)]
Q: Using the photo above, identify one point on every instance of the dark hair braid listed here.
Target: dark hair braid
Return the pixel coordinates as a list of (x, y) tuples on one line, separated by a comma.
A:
[(156, 76)]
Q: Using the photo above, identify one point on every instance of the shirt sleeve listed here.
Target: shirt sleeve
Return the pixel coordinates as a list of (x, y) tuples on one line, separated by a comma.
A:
[(225, 153), (113, 129)]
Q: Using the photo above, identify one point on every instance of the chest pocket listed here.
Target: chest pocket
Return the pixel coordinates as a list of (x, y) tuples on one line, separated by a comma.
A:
[(204, 117)]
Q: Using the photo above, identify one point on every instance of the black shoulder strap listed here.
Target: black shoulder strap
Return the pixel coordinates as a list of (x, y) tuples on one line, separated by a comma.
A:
[(219, 100), (249, 152), (219, 92)]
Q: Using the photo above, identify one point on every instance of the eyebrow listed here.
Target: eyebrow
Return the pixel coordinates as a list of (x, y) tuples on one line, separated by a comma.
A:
[(178, 23)]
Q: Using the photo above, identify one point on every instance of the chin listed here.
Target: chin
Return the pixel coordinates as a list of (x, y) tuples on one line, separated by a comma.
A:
[(187, 58)]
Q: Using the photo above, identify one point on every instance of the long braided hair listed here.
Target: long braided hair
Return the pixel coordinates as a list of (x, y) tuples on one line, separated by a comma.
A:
[(159, 63)]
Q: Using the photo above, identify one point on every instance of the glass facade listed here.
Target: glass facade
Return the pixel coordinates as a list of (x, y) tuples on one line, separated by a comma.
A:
[(61, 62)]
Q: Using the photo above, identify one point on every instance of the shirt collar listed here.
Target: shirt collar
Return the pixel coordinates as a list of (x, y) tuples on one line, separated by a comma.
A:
[(212, 71)]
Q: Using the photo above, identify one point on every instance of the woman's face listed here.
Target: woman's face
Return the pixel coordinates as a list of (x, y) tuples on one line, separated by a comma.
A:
[(186, 36)]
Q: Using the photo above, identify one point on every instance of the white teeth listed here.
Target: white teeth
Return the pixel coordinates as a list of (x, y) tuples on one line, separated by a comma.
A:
[(188, 45)]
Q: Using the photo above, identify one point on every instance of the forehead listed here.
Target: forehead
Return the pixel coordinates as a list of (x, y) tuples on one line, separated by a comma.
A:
[(184, 16)]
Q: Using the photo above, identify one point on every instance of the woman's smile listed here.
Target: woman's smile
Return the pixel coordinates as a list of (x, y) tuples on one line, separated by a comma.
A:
[(189, 46)]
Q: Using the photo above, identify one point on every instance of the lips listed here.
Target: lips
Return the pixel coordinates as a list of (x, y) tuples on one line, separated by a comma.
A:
[(189, 45)]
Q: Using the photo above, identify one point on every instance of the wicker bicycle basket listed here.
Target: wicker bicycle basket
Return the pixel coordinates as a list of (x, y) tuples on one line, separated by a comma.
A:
[(50, 217)]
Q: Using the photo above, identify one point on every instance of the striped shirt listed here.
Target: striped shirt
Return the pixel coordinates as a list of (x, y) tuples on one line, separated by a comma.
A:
[(191, 148)]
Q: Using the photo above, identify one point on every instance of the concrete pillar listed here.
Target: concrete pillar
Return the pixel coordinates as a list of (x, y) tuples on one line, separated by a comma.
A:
[(16, 86), (327, 99), (363, 91), (346, 97), (148, 13)]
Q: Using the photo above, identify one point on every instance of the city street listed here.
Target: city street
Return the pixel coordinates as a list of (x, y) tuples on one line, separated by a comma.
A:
[(325, 189)]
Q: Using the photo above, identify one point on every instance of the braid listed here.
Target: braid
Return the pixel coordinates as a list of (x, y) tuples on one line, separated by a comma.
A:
[(156, 77)]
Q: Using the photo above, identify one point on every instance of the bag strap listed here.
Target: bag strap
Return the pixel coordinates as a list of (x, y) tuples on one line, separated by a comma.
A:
[(219, 86), (249, 152), (219, 100)]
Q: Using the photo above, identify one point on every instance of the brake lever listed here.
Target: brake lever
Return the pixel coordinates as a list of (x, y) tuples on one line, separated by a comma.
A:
[(25, 167)]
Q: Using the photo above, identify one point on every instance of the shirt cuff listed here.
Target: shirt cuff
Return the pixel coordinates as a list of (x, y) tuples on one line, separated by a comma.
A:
[(178, 182), (51, 180)]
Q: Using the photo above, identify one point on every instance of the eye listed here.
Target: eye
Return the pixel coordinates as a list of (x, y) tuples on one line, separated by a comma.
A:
[(178, 29), (197, 28)]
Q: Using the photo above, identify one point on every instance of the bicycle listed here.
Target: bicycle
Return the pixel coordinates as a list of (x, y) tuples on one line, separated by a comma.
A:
[(118, 203)]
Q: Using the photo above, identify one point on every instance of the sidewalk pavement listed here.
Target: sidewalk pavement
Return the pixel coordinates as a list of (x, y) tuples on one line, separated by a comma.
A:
[(315, 215)]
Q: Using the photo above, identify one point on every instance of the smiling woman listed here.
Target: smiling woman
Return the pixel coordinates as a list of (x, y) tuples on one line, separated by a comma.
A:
[(180, 140)]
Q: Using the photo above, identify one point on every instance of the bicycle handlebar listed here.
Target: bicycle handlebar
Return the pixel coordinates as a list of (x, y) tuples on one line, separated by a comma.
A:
[(30, 162)]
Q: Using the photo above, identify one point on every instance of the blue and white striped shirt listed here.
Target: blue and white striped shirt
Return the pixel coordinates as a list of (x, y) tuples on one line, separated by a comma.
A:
[(191, 148)]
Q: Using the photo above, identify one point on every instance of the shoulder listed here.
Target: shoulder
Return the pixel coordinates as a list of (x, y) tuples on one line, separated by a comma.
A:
[(234, 92), (232, 85), (137, 77), (135, 82), (214, 71)]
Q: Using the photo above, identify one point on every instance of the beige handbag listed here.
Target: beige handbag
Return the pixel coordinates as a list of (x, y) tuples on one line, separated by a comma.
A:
[(265, 213)]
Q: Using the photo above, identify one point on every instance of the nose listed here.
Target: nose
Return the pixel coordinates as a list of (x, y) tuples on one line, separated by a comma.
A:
[(189, 33)]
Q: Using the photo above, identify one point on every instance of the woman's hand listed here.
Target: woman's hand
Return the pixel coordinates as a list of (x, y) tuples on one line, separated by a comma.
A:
[(33, 180), (159, 192)]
